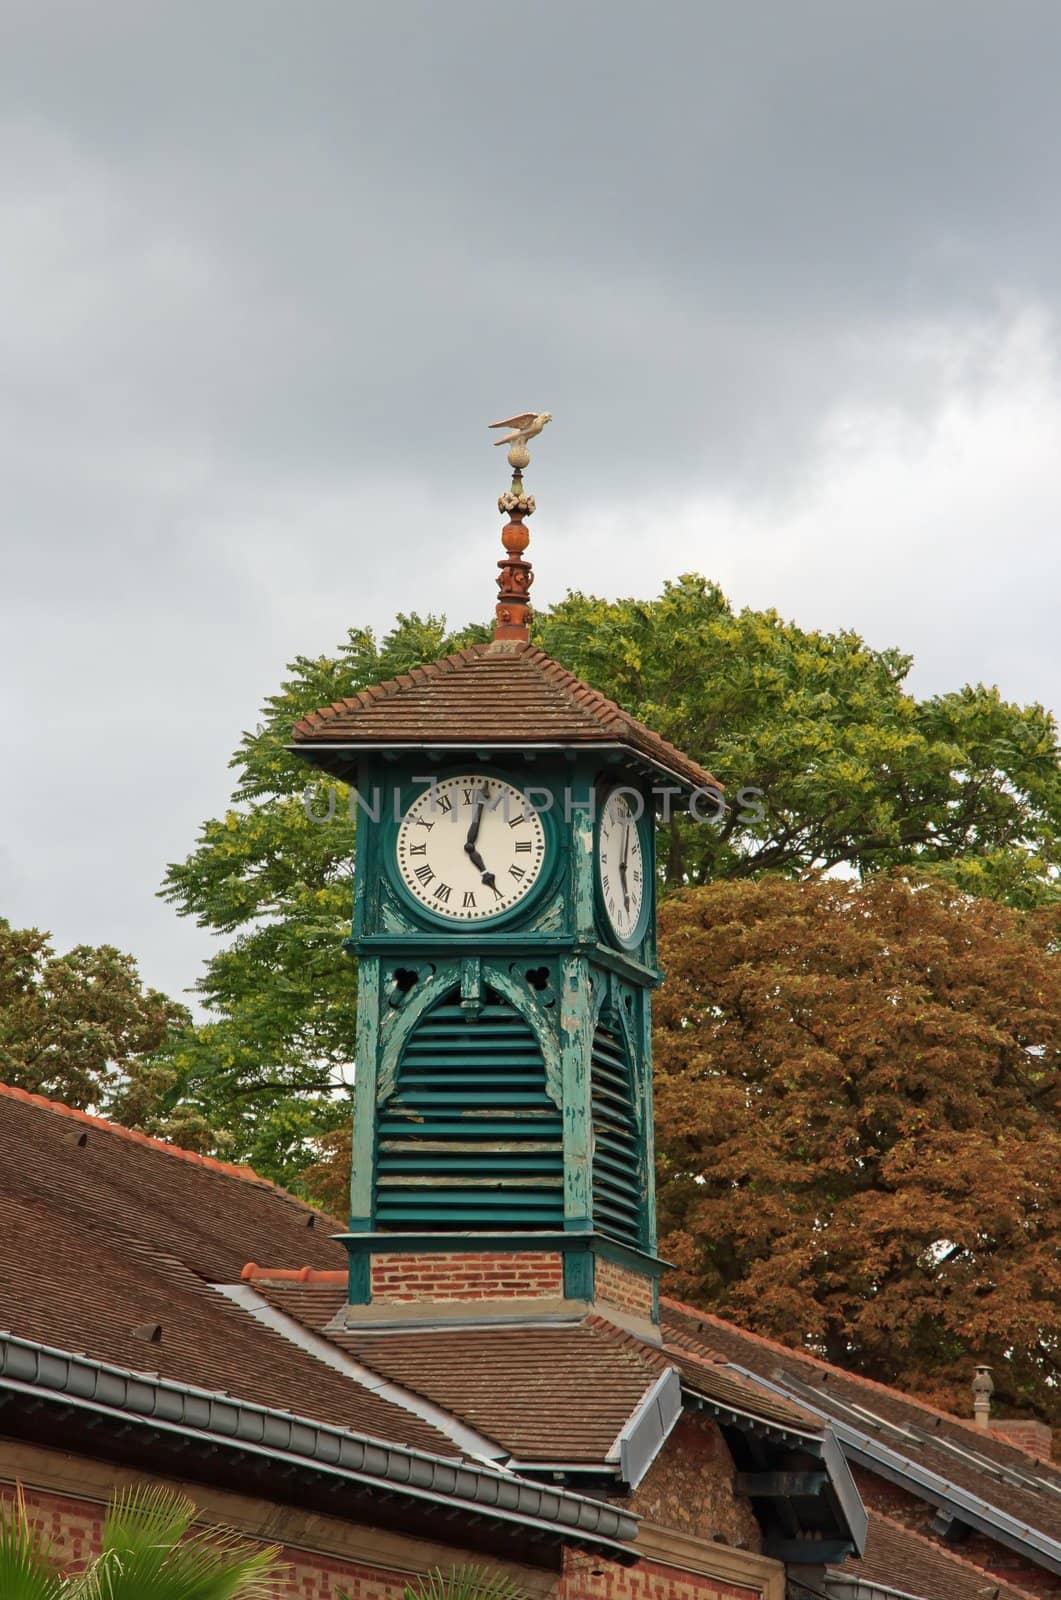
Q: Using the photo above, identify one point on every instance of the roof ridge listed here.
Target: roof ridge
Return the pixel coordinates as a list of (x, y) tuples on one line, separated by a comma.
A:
[(981, 1435), (948, 1552), (653, 1354), (229, 1168), (253, 1273)]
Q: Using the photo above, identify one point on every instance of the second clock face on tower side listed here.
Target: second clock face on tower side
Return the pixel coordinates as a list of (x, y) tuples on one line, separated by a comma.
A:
[(470, 848), (621, 867)]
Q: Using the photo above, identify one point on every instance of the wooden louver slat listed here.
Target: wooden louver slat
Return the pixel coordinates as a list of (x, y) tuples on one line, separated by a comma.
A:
[(617, 1198), (470, 1138)]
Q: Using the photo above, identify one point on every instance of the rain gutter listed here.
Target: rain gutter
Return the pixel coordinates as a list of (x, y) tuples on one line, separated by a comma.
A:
[(215, 1419)]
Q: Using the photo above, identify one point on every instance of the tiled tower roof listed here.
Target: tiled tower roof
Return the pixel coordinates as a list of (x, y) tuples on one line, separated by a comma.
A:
[(506, 694)]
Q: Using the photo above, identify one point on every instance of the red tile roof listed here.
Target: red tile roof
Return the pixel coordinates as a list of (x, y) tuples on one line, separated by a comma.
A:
[(206, 1214), (973, 1459), (87, 1290), (898, 1558), (90, 1121), (506, 693), (544, 1393), (561, 1392), (125, 1232)]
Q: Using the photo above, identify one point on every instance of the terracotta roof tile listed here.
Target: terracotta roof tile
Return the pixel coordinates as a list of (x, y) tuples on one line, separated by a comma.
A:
[(500, 693), (85, 1290), (896, 1557), (210, 1216), (544, 1393), (72, 1112)]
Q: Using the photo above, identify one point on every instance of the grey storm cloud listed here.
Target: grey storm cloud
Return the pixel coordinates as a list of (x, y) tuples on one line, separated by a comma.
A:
[(266, 271)]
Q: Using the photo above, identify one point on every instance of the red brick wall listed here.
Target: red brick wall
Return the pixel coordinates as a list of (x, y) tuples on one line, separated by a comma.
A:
[(500, 1275), (625, 1290), (1026, 1434), (74, 1528), (586, 1579), (982, 1552)]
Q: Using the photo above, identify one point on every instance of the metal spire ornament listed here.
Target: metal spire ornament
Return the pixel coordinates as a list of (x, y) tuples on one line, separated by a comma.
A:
[(515, 576)]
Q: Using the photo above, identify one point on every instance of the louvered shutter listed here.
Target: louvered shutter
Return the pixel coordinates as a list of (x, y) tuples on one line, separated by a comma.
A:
[(617, 1200), (470, 1139)]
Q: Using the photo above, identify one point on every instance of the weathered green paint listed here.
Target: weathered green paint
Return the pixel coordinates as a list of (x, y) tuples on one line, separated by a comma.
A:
[(474, 1090), (579, 1272), (359, 1291), (363, 1152)]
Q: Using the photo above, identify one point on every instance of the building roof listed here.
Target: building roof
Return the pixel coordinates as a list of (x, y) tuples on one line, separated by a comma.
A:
[(115, 1245), (103, 1243), (897, 1558), (529, 1386), (96, 1177), (965, 1470), (507, 694)]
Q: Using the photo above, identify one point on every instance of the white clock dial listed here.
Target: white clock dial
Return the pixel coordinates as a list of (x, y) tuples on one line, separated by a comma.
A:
[(470, 847), (621, 866)]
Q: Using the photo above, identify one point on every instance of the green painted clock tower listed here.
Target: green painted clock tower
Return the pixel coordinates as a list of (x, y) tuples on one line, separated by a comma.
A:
[(504, 921)]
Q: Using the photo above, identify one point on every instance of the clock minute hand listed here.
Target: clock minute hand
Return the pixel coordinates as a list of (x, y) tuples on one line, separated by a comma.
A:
[(473, 830), (622, 866)]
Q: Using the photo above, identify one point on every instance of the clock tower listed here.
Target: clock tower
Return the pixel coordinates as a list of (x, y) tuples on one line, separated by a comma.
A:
[(504, 924)]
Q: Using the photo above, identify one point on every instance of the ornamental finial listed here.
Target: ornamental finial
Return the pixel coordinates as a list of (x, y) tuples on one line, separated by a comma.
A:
[(516, 577)]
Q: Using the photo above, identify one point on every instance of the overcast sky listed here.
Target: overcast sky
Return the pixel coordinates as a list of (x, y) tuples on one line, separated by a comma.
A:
[(788, 275)]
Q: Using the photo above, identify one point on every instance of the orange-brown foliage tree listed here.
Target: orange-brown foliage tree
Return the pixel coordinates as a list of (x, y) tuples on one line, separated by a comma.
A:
[(858, 1103)]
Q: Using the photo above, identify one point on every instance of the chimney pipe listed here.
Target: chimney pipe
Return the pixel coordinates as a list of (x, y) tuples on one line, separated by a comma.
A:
[(983, 1389)]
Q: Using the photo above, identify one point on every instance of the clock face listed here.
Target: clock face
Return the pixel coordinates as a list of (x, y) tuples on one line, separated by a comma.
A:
[(470, 848), (621, 867)]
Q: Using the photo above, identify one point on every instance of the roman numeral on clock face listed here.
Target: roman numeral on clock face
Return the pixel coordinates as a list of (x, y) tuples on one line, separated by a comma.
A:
[(484, 860)]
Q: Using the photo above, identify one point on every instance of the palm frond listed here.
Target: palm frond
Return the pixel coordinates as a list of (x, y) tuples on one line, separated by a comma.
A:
[(149, 1555), (25, 1568), (463, 1583)]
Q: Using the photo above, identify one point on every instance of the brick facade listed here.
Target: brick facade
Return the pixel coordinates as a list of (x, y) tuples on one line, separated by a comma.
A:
[(586, 1579), (625, 1290), (73, 1528), (497, 1275), (1034, 1438)]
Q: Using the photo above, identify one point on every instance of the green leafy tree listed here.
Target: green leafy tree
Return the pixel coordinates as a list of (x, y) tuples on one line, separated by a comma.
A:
[(149, 1553), (81, 1027), (853, 772)]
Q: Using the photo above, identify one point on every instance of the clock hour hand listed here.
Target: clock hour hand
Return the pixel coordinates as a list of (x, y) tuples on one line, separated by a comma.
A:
[(472, 853), (480, 865)]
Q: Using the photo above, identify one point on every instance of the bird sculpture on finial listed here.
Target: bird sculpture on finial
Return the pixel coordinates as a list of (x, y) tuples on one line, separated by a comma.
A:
[(515, 578), (524, 427)]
